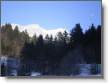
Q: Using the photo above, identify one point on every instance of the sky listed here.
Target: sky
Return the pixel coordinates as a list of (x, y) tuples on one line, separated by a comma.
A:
[(52, 14)]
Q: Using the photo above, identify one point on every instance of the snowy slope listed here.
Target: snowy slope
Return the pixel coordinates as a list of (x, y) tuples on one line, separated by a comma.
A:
[(37, 29)]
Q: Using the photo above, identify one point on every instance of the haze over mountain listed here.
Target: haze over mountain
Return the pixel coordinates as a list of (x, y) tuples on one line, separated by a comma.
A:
[(37, 29)]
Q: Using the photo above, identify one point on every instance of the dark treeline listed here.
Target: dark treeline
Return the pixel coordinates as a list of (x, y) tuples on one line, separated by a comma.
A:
[(47, 54)]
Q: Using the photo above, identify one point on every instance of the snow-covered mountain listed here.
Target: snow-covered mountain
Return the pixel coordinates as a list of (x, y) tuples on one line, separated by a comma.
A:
[(37, 29)]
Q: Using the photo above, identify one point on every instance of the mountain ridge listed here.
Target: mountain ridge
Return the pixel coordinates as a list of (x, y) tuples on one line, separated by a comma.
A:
[(33, 29)]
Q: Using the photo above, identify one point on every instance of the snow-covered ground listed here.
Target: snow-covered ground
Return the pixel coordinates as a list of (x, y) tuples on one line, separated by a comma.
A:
[(35, 74), (85, 69), (12, 66)]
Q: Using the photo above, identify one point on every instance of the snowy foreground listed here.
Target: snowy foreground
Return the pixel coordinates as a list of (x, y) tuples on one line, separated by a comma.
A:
[(12, 66)]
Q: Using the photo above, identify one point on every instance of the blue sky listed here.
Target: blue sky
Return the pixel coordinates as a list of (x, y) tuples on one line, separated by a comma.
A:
[(50, 14)]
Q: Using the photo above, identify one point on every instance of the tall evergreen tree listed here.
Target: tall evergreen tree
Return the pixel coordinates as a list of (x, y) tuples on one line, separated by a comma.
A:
[(76, 35)]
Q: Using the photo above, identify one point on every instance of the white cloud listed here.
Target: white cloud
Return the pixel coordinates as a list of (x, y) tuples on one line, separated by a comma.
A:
[(37, 29)]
